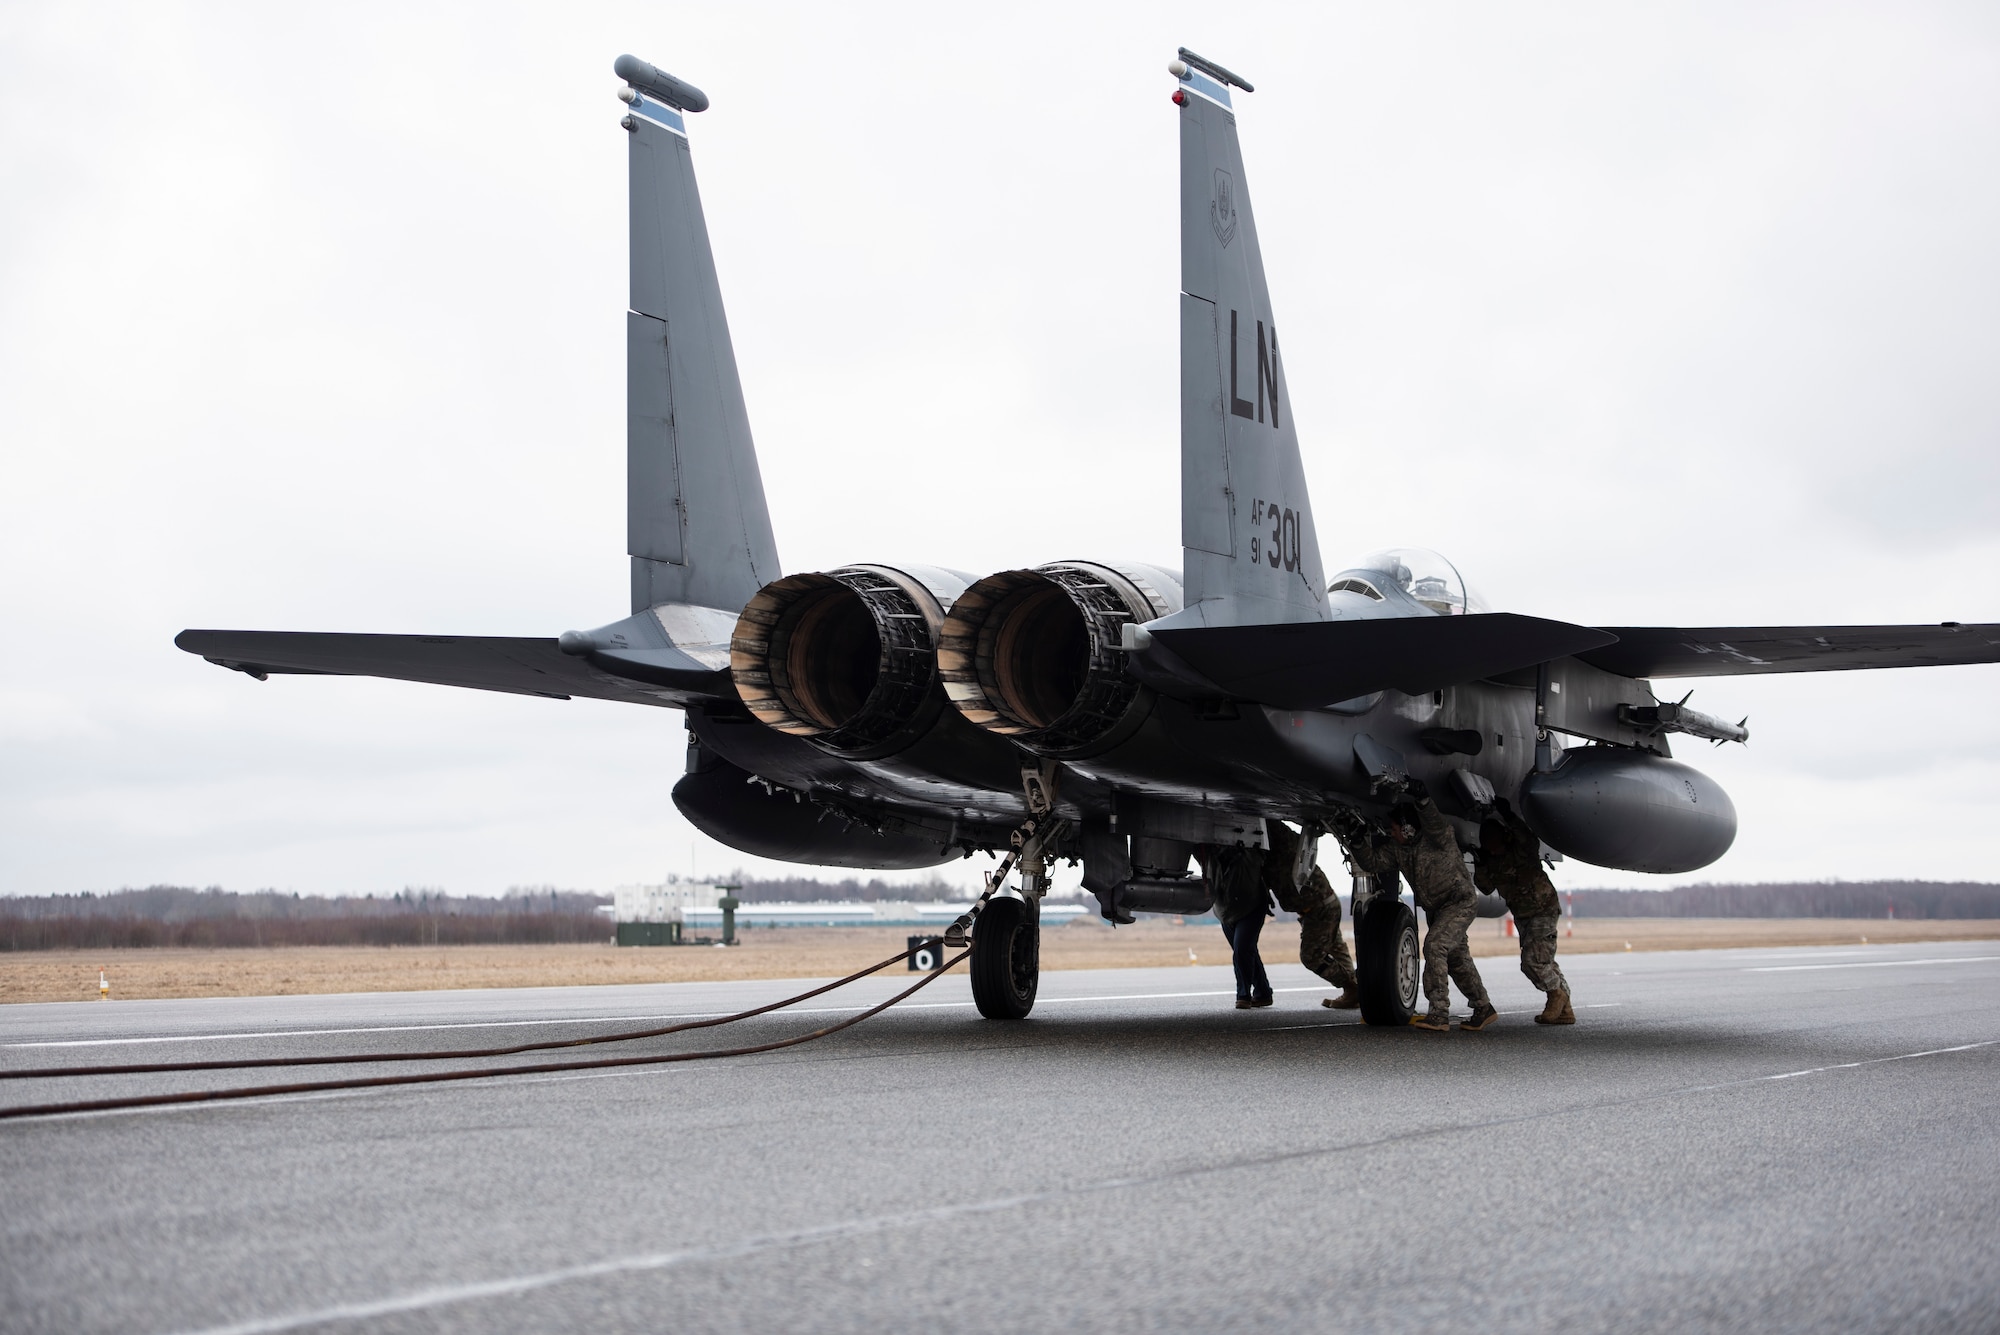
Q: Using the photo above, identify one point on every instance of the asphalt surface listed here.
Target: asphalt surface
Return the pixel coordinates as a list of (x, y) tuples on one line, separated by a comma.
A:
[(1761, 1140)]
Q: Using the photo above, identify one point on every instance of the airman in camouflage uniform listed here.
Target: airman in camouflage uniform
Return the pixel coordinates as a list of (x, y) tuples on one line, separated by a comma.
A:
[(1423, 848), (1321, 947), (1509, 864)]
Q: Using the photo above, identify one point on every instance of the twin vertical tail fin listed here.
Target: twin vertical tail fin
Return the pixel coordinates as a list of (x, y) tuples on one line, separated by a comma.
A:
[(1251, 553), (697, 527)]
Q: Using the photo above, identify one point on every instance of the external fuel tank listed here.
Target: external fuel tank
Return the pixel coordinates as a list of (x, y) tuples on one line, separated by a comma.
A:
[(1614, 806)]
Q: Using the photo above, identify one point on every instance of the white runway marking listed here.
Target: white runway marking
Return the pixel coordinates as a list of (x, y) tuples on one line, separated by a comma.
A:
[(1877, 1061), (446, 1295), (1872, 964), (642, 1263), (590, 1019), (359, 1029)]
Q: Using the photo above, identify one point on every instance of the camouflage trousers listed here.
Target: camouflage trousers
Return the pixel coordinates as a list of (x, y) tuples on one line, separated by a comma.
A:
[(1538, 952), (1321, 947), (1448, 956)]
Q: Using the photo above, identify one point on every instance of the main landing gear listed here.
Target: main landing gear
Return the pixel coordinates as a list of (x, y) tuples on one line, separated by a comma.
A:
[(1386, 957), (1006, 924), (1007, 958)]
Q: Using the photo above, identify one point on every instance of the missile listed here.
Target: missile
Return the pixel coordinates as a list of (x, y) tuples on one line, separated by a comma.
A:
[(1677, 717)]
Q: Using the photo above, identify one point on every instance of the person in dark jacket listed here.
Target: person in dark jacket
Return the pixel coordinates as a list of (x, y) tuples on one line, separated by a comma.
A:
[(1236, 889)]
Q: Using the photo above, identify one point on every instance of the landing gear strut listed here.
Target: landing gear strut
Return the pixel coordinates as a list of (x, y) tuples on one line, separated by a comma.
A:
[(1386, 958), (1006, 925)]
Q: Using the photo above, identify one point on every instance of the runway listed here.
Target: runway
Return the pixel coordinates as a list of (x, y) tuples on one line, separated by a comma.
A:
[(1803, 1139)]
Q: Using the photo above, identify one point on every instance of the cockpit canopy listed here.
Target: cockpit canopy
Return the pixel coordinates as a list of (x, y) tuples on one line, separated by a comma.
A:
[(1417, 573)]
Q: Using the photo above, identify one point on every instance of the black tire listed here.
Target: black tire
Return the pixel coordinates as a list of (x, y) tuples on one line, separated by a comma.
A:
[(1387, 961), (1006, 960)]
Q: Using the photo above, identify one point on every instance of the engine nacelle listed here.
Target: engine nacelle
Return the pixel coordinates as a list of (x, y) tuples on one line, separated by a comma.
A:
[(1616, 807), (1034, 655), (847, 658)]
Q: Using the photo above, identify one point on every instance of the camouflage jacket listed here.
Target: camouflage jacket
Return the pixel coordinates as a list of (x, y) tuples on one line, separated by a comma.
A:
[(1510, 866), (1433, 865), (1317, 890)]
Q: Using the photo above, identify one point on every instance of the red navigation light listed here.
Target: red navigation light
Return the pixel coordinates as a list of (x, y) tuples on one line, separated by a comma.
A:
[(1180, 98)]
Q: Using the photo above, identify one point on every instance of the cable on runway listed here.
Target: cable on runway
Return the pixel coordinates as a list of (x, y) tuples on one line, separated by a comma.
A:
[(463, 1054), (438, 1077)]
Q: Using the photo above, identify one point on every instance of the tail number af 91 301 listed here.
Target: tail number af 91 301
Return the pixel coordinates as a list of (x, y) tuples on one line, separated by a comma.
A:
[(1280, 548)]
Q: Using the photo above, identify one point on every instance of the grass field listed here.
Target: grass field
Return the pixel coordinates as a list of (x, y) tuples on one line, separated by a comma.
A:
[(797, 952)]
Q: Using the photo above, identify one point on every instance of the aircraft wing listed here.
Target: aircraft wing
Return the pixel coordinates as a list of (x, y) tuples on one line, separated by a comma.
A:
[(1732, 651), (1311, 664), (522, 666)]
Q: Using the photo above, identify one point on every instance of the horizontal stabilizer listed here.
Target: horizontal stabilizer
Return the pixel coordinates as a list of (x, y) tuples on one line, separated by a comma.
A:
[(522, 666), (1309, 665), (1734, 651)]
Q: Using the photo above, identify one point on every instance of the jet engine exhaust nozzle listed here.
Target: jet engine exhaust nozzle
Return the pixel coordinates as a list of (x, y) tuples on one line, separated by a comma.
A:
[(846, 659), (1035, 654)]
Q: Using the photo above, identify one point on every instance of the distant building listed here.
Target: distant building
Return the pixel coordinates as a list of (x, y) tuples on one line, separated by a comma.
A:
[(649, 915), (658, 915)]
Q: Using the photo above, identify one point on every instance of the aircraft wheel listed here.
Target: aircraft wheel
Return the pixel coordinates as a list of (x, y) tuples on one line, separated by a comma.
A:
[(1006, 959), (1386, 958)]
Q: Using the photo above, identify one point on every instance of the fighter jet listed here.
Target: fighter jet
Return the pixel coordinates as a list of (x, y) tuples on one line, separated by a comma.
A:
[(1120, 715)]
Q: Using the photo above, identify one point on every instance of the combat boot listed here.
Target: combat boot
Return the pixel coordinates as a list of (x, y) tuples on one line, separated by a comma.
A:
[(1482, 1015), (1438, 1022), (1558, 1011), (1348, 1000)]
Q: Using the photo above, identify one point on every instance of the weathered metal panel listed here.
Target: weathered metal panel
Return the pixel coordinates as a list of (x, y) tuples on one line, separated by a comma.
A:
[(1584, 700), (654, 518)]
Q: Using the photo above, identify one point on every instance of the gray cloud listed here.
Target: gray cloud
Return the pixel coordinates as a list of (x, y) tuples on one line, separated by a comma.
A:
[(1640, 315)]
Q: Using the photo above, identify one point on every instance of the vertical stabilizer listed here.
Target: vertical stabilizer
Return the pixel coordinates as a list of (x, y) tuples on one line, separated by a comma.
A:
[(697, 527), (1251, 553)]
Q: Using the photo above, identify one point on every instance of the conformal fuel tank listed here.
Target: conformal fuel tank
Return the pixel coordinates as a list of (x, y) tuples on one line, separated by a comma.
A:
[(1616, 807)]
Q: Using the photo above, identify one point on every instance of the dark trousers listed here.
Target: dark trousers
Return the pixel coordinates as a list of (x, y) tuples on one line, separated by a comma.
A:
[(1251, 980)]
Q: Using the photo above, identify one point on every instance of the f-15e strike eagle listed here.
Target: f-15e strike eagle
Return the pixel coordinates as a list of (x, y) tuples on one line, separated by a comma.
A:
[(1109, 712)]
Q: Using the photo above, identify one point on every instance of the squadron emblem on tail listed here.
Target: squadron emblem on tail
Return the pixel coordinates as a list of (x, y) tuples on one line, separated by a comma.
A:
[(1222, 211)]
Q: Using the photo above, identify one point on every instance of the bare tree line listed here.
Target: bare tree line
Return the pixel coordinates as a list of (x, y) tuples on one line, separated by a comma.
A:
[(1812, 899), (165, 915)]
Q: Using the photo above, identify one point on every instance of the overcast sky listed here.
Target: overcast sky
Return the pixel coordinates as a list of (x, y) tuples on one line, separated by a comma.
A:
[(312, 319)]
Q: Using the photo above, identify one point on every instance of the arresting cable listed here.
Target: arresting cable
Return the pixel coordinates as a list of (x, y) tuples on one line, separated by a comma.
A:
[(436, 1077)]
